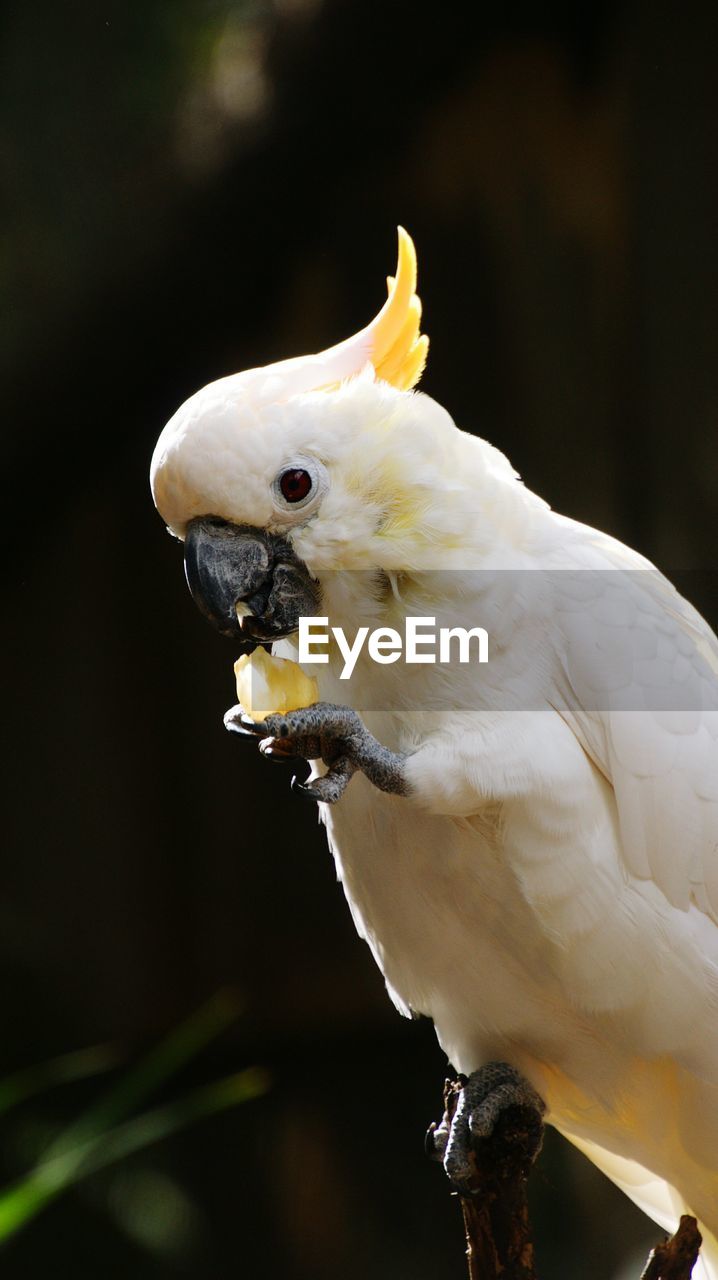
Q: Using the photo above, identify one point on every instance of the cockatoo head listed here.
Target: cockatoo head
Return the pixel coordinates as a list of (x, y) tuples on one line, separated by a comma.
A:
[(278, 474)]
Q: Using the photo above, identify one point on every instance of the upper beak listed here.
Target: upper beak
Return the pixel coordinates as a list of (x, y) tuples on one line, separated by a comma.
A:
[(229, 565)]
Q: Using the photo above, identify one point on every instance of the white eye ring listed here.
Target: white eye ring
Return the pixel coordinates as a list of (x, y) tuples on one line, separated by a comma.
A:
[(319, 485)]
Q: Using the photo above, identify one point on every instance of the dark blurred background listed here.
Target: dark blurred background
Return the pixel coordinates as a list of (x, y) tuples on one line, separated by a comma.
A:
[(191, 188)]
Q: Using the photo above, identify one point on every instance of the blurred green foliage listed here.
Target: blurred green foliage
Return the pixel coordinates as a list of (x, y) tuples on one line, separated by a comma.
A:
[(103, 1135)]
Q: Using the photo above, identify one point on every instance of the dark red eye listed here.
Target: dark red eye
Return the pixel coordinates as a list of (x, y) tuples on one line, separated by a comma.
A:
[(295, 485)]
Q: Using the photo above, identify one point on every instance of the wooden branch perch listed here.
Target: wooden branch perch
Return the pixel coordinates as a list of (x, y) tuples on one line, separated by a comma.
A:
[(496, 1216), (499, 1244), (676, 1257)]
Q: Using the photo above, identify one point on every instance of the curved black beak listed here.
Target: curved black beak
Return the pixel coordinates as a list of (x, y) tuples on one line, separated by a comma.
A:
[(228, 565)]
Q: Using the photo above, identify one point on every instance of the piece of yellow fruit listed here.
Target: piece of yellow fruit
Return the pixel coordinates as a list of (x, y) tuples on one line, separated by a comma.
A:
[(267, 685)]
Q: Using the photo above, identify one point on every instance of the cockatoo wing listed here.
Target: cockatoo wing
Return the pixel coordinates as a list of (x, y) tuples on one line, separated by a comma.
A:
[(641, 693)]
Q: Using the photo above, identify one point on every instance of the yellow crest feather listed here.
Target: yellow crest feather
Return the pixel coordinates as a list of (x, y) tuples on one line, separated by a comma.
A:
[(392, 344), (398, 348)]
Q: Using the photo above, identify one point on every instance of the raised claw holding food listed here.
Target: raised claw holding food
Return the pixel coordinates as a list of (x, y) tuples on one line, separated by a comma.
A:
[(329, 732)]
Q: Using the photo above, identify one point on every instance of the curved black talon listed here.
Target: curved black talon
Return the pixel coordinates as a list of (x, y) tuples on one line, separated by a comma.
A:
[(270, 751), (253, 726), (233, 727), (236, 720), (430, 1149), (303, 789)]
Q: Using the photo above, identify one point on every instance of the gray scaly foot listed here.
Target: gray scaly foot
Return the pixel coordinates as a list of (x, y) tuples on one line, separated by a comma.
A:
[(487, 1124), (327, 732)]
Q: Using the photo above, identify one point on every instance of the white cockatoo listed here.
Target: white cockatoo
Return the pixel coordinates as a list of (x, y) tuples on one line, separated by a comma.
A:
[(529, 845)]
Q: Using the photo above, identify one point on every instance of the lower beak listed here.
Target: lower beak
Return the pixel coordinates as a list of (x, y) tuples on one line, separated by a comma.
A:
[(229, 565)]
